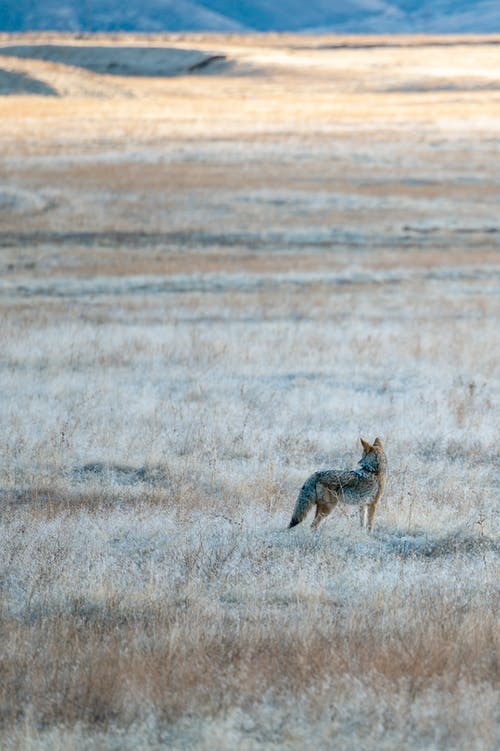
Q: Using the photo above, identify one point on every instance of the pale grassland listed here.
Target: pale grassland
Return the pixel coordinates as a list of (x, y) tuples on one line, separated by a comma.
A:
[(210, 286)]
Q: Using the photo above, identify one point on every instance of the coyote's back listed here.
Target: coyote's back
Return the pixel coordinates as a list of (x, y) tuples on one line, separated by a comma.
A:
[(362, 486)]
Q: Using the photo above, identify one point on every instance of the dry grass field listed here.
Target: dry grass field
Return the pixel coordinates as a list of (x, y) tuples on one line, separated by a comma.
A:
[(222, 261)]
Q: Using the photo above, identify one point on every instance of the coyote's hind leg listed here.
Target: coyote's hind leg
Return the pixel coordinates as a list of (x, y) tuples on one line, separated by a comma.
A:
[(323, 509), (321, 514)]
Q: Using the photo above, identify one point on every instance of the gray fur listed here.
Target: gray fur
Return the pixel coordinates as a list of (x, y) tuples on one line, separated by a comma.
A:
[(362, 486)]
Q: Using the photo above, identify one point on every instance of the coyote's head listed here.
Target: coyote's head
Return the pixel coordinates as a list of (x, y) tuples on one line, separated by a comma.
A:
[(373, 458)]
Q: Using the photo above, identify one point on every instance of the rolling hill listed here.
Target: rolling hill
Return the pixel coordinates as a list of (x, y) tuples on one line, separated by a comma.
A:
[(347, 16)]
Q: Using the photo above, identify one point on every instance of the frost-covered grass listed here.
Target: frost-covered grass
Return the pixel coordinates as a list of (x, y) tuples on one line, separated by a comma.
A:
[(185, 628), (152, 595), (207, 291)]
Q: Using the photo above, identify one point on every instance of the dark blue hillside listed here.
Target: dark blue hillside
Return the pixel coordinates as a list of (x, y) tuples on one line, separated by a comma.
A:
[(351, 16)]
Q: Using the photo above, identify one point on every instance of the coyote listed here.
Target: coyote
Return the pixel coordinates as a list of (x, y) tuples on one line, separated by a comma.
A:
[(362, 487)]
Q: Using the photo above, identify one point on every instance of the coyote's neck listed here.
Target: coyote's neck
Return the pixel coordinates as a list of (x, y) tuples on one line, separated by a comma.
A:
[(367, 471), (378, 472)]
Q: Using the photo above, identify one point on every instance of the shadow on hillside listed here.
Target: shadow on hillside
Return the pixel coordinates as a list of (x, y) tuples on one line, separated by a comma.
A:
[(404, 42), (124, 61), (12, 83), (426, 87)]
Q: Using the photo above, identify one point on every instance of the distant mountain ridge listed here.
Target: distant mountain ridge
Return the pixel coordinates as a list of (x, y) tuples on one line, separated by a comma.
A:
[(328, 16)]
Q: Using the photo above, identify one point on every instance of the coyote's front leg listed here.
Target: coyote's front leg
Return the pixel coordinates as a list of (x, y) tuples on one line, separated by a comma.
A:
[(371, 513), (366, 513), (363, 516)]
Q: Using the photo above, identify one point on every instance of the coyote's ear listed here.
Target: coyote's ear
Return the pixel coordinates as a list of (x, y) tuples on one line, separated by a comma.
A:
[(377, 442), (367, 447)]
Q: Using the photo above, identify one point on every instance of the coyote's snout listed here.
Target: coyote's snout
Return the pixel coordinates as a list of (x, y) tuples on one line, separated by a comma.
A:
[(363, 487)]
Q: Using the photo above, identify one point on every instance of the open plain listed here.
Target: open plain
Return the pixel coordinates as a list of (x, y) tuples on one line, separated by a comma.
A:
[(222, 260)]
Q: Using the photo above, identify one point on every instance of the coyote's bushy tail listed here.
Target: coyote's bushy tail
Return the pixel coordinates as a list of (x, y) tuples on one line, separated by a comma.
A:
[(305, 500)]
